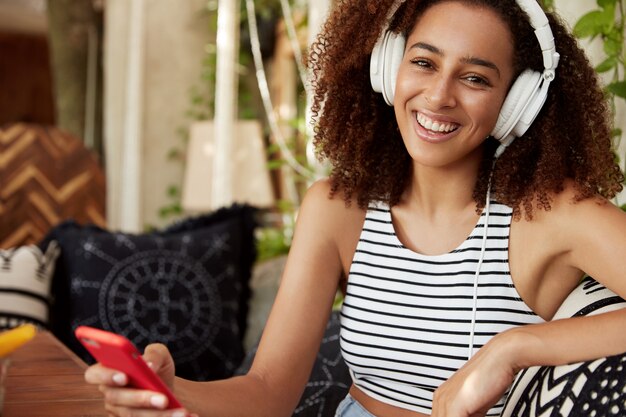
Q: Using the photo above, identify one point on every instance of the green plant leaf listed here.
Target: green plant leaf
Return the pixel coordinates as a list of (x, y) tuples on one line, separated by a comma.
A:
[(275, 164), (609, 17), (607, 3), (173, 191), (273, 148), (285, 206), (164, 212), (607, 65), (173, 153), (271, 242), (618, 88), (338, 302), (613, 46), (591, 24)]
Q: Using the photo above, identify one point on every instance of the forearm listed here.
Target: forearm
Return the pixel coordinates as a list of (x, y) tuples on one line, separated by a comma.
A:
[(566, 341), (292, 335), (241, 396)]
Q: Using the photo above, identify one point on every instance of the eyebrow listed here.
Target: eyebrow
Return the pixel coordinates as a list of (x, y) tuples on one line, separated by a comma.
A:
[(467, 60)]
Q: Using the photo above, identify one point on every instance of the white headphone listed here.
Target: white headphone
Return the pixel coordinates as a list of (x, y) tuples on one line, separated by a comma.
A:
[(525, 98)]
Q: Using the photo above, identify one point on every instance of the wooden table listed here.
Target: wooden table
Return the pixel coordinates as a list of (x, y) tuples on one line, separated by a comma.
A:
[(46, 380)]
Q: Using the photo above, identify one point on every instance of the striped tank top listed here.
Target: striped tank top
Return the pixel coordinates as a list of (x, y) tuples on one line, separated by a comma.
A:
[(406, 317)]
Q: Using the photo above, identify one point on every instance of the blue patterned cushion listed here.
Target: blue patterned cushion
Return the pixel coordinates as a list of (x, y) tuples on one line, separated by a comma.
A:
[(186, 287), (594, 388), (330, 380)]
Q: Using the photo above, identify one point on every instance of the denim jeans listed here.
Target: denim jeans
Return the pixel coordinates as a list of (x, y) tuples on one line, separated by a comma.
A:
[(349, 407)]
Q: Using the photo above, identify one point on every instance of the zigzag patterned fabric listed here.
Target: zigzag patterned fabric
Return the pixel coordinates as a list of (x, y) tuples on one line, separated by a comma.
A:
[(46, 176), (594, 388)]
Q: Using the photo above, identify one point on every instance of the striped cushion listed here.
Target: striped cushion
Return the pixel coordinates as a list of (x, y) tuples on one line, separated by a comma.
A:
[(25, 276)]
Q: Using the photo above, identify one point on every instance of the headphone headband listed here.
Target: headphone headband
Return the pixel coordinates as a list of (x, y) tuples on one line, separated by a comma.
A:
[(539, 21), (392, 11)]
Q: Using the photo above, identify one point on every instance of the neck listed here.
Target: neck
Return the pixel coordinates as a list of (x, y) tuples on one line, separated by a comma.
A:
[(440, 192)]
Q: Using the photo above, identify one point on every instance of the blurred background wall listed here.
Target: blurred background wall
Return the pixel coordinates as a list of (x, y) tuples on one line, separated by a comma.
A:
[(151, 54)]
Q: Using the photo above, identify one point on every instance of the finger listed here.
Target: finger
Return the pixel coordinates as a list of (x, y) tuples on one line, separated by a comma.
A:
[(124, 412), (155, 355), (135, 398), (98, 374)]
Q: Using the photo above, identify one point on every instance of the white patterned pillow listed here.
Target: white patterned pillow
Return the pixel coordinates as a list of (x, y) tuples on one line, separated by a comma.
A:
[(25, 277), (593, 388)]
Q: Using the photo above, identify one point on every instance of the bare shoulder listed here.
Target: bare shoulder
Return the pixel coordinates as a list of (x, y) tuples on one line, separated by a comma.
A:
[(332, 218), (330, 208), (551, 251), (582, 217), (576, 215)]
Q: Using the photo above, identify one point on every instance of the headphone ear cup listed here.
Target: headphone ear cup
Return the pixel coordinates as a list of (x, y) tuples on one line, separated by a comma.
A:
[(385, 62), (377, 61), (394, 52), (517, 101)]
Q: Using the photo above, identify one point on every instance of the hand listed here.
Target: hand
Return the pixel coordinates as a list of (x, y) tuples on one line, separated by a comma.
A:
[(122, 401), (479, 384)]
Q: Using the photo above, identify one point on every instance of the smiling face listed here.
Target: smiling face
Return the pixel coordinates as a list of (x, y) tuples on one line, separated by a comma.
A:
[(456, 71)]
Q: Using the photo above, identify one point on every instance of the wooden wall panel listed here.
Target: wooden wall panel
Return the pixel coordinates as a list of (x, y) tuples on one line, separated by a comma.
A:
[(46, 176), (25, 79)]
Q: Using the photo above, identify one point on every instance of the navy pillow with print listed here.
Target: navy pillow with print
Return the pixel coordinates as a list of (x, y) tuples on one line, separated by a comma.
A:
[(185, 286), (330, 379)]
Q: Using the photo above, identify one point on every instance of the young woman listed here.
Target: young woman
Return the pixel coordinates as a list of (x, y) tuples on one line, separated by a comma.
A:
[(457, 250)]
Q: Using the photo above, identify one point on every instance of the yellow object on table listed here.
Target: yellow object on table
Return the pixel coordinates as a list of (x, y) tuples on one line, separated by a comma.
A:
[(14, 338)]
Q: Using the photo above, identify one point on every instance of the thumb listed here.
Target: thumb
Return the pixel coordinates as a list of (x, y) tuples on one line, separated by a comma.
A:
[(159, 359)]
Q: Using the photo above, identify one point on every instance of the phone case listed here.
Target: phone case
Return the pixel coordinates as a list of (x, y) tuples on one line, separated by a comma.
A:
[(117, 352)]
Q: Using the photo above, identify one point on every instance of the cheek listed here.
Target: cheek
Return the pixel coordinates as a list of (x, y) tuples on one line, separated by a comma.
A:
[(405, 86), (485, 112), (490, 114), (410, 80)]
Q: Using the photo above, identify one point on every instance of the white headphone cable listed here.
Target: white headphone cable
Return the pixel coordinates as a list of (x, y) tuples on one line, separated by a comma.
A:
[(476, 275), (483, 249)]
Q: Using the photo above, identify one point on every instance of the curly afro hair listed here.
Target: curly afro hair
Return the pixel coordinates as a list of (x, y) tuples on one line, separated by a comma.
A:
[(357, 132)]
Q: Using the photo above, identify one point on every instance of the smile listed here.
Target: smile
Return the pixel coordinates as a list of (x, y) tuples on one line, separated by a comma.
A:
[(434, 125)]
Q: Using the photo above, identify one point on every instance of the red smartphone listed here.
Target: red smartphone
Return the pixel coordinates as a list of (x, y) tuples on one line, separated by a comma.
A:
[(117, 352)]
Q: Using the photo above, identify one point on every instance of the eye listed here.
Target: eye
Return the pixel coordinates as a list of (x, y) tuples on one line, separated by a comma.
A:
[(477, 80), (422, 63)]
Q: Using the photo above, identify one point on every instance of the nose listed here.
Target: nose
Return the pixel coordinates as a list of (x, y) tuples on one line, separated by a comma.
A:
[(439, 92)]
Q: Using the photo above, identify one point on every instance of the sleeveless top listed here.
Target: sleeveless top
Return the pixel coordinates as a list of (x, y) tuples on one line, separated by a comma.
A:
[(406, 317)]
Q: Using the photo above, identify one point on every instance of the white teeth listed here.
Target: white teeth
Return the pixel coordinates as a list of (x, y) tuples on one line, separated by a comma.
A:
[(429, 124)]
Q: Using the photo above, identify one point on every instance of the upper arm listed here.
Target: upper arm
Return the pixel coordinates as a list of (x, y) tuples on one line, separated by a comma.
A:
[(550, 253), (598, 236), (308, 286)]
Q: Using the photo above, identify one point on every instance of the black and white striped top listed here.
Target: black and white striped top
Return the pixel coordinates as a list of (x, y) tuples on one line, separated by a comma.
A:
[(406, 317)]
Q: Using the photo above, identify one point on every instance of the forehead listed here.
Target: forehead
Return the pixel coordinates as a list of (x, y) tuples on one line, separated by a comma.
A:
[(470, 27)]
